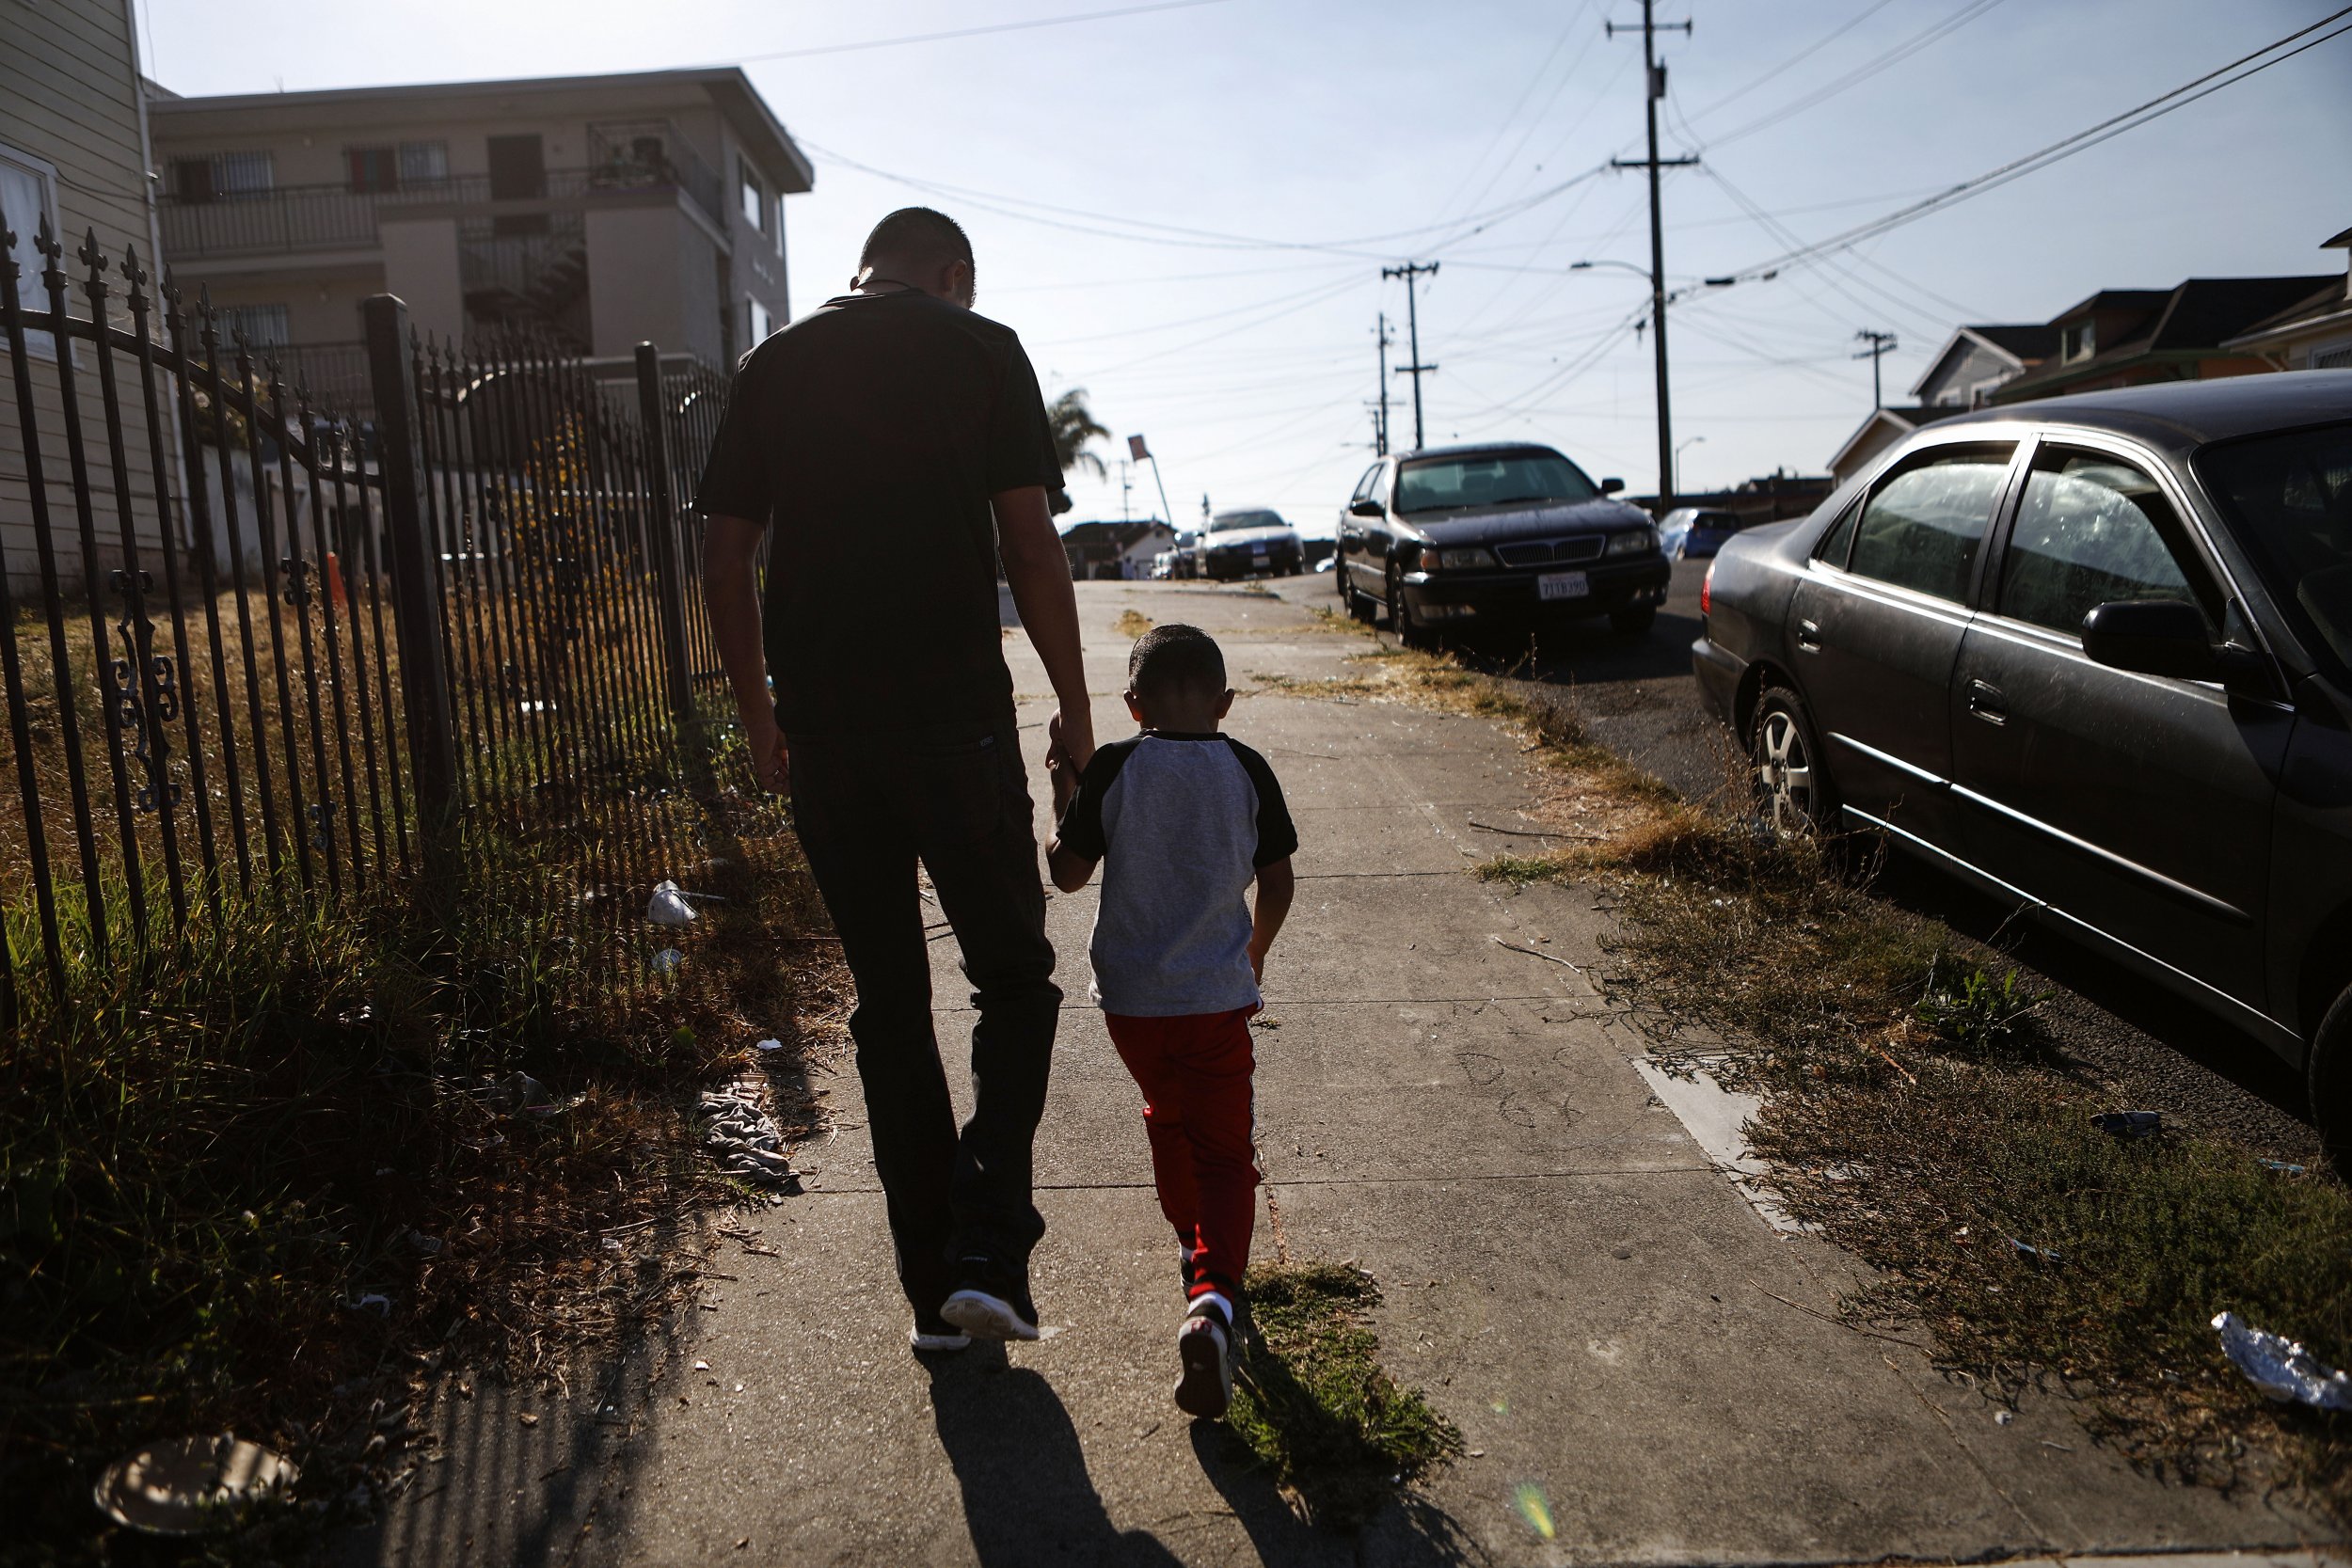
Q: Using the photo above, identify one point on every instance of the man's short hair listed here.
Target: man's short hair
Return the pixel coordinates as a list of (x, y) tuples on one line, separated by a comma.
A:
[(916, 234), (1174, 659)]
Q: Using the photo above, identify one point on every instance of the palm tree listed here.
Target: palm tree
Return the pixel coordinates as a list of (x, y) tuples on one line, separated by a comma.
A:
[(1073, 425)]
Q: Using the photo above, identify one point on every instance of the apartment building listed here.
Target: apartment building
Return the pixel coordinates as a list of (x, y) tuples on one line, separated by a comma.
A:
[(606, 210)]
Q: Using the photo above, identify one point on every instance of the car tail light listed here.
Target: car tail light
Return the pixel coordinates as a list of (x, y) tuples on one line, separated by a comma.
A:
[(1707, 591)]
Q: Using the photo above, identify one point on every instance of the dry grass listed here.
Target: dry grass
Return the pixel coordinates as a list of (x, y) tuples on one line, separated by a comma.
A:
[(207, 1162), (1918, 1114), (1132, 624)]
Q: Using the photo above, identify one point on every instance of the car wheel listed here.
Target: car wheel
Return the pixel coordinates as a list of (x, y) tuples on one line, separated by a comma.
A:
[(2329, 1078), (1634, 623), (1409, 631), (1793, 793)]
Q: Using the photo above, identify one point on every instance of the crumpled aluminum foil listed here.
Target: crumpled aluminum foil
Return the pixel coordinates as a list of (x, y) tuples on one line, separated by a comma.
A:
[(746, 1142), (2282, 1368)]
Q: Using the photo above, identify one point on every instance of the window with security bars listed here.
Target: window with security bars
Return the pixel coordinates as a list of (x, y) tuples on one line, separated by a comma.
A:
[(255, 325), (221, 175), (373, 169)]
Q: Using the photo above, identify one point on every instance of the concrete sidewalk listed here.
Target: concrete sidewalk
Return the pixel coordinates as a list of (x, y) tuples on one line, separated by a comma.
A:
[(1567, 1276)]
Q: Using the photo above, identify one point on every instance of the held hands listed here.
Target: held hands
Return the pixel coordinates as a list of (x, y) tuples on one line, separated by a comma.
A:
[(1070, 746)]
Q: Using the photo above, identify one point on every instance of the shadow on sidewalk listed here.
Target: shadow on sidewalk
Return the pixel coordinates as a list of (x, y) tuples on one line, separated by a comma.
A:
[(1414, 1533), (1027, 1495)]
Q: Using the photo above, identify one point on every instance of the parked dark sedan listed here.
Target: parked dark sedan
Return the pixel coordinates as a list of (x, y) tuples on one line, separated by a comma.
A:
[(1458, 537), (2095, 653)]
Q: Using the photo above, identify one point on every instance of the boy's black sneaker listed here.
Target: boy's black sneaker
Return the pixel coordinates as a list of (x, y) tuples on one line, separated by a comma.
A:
[(1187, 1269), (991, 1303), (1204, 1349)]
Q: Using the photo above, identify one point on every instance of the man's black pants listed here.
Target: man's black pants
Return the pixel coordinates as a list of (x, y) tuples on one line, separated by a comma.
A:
[(868, 806)]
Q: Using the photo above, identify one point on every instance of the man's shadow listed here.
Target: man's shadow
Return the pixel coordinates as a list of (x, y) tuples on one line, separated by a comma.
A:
[(1410, 1531), (1026, 1495)]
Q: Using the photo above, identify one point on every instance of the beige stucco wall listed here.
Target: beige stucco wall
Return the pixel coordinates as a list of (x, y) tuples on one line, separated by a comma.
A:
[(421, 266)]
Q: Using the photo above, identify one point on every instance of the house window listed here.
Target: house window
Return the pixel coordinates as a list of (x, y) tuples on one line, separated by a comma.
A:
[(28, 193), (761, 322), (373, 169), (222, 174), (754, 197), (254, 325), (424, 162), (2335, 356), (2078, 342)]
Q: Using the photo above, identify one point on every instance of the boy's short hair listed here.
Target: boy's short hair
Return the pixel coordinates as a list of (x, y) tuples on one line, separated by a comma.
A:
[(1171, 658)]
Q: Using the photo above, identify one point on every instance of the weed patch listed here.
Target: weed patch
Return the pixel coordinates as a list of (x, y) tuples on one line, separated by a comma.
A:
[(274, 1181), (1919, 1110), (1314, 1404), (1132, 624)]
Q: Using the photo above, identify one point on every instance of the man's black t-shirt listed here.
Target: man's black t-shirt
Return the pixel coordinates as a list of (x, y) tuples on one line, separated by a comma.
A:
[(869, 436)]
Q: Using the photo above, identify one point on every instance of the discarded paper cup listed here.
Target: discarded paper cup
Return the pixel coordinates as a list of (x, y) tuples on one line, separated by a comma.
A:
[(668, 905), (190, 1486)]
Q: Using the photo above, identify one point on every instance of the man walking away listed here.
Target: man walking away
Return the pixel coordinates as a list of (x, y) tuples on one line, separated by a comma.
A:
[(895, 444)]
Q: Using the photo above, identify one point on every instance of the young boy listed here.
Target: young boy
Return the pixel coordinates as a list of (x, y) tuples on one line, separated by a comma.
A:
[(1186, 820)]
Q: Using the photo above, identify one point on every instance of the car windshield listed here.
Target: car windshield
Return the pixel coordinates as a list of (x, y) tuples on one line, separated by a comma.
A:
[(1436, 483), (2291, 497), (1225, 522)]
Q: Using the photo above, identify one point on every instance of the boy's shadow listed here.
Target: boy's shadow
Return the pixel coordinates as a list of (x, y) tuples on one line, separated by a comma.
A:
[(1027, 1495), (1411, 1533)]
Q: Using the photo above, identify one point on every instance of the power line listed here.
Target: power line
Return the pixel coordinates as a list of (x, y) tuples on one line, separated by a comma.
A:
[(1862, 73), (969, 32), (2081, 141), (1841, 30), (1880, 344)]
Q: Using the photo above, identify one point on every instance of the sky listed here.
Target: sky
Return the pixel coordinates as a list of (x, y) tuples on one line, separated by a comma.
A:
[(1186, 212)]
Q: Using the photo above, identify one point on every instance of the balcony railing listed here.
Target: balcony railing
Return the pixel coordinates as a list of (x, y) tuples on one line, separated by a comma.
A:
[(292, 218)]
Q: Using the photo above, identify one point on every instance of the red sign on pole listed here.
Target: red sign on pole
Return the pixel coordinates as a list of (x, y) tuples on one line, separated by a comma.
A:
[(1134, 448)]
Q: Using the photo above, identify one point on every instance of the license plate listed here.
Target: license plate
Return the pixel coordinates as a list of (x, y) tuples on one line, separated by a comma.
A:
[(1562, 585)]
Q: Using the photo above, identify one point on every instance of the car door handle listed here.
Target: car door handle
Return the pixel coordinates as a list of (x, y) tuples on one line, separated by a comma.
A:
[(1986, 701), (1809, 637)]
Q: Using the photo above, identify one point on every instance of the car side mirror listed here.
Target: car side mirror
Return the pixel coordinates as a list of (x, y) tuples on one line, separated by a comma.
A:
[(2152, 636), (1610, 487), (1368, 507)]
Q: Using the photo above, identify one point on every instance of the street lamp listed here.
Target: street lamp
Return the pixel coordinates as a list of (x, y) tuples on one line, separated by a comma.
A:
[(1679, 451), (1621, 267)]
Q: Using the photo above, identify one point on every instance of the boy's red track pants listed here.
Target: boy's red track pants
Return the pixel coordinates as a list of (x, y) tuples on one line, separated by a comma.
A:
[(1195, 1073)]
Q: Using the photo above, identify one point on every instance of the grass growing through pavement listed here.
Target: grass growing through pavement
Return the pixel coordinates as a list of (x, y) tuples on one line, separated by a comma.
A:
[(1314, 1404), (209, 1166), (1921, 1114), (1132, 624)]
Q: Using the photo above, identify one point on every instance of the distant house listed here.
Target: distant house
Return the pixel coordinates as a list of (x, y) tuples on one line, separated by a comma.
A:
[(1766, 498), (2131, 337), (1099, 549), (2314, 334), (2197, 330), (1882, 430), (603, 209), (1977, 359)]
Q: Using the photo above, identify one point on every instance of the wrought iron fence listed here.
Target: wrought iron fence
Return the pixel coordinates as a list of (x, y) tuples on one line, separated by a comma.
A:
[(259, 647)]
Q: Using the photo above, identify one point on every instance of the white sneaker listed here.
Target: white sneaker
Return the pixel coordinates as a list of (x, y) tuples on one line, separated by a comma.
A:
[(1204, 1348), (986, 1317), (937, 1336)]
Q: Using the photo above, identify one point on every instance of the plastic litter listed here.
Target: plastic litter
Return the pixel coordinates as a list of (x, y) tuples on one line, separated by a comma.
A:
[(769, 1045), (429, 1246), (746, 1142), (2039, 1253), (668, 905), (379, 1304), (2002, 1418), (2284, 1168), (191, 1485), (2282, 1368), (667, 960), (2130, 1124)]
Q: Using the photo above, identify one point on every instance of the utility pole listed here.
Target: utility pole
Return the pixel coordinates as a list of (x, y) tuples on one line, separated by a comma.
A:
[(1656, 77), (1408, 272), (1881, 343), (1380, 424)]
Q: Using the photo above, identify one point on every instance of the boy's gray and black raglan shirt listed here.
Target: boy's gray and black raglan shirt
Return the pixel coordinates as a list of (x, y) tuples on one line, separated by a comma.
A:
[(1180, 823)]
